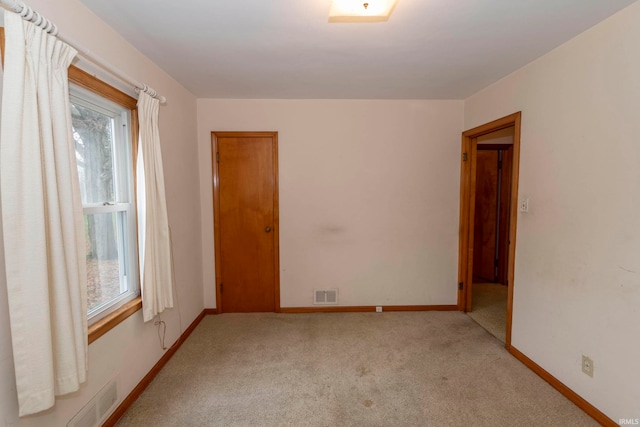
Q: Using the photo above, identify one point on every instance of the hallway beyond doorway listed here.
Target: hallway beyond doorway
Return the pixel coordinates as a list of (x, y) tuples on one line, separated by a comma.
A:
[(490, 308)]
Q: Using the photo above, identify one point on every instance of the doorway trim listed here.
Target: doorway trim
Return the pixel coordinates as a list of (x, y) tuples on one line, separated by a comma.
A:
[(216, 210), (467, 212)]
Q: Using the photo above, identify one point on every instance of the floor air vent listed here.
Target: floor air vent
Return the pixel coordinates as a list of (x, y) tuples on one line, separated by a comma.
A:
[(325, 296)]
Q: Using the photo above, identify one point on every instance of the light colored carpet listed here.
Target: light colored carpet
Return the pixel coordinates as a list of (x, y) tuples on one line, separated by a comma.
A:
[(348, 369), (489, 308)]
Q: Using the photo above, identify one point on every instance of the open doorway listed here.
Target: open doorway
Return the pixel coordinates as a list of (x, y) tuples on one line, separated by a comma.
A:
[(489, 186), (494, 159)]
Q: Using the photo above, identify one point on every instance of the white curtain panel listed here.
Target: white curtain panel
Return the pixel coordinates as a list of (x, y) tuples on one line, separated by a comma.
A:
[(42, 218), (153, 224)]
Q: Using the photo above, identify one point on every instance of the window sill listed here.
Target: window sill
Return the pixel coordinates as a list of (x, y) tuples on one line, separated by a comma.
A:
[(109, 322)]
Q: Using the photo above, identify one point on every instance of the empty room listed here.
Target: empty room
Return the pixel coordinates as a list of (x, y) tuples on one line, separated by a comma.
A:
[(319, 213)]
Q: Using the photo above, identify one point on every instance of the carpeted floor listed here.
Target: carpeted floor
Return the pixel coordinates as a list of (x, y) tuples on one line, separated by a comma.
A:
[(348, 369), (489, 308)]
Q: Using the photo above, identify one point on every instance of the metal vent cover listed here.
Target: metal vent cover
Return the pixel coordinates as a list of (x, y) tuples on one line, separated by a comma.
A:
[(325, 296), (95, 412)]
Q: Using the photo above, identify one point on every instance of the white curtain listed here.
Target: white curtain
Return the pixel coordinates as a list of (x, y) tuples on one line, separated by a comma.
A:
[(153, 223), (42, 218)]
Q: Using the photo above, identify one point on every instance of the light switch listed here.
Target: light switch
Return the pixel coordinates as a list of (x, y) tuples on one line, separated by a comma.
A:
[(524, 205)]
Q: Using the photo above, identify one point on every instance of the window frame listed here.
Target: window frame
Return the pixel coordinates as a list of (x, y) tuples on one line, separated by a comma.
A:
[(122, 204), (100, 88)]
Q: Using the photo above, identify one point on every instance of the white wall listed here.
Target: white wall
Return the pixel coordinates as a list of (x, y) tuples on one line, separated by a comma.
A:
[(577, 274), (130, 350), (368, 196)]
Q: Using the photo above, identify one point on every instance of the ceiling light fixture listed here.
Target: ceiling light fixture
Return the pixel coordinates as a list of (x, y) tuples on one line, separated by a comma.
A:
[(361, 10)]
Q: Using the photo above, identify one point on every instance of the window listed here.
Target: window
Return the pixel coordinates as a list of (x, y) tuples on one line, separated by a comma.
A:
[(113, 291), (102, 136)]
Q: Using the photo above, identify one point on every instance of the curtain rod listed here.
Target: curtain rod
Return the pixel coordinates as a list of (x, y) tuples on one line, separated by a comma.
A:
[(28, 14)]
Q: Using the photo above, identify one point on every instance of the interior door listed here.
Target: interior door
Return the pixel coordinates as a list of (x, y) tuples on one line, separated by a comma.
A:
[(486, 215), (245, 186)]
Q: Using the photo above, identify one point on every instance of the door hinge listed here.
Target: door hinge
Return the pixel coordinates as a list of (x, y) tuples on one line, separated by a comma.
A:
[(461, 285), (217, 157), (464, 157), (221, 287)]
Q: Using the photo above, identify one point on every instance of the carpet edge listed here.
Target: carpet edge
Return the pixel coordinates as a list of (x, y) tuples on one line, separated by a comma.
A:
[(146, 380), (368, 308)]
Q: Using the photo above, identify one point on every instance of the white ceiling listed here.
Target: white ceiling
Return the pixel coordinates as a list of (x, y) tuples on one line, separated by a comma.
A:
[(429, 49)]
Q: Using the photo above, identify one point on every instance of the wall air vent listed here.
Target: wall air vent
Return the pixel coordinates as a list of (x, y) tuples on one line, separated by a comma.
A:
[(96, 411), (325, 296)]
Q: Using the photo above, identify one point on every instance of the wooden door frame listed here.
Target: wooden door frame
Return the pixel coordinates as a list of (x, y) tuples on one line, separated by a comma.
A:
[(216, 210), (467, 211)]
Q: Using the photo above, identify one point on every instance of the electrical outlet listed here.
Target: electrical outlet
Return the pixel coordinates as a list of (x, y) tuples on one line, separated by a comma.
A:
[(378, 309), (587, 366)]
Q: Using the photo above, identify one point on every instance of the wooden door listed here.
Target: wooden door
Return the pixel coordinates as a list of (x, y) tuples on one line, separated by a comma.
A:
[(486, 215), (492, 213), (246, 221)]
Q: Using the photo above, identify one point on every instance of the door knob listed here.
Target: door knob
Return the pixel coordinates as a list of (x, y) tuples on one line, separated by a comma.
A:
[(267, 229)]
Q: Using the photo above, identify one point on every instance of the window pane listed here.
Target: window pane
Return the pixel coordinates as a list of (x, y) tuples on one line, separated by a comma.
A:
[(105, 260), (93, 134), (102, 142)]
